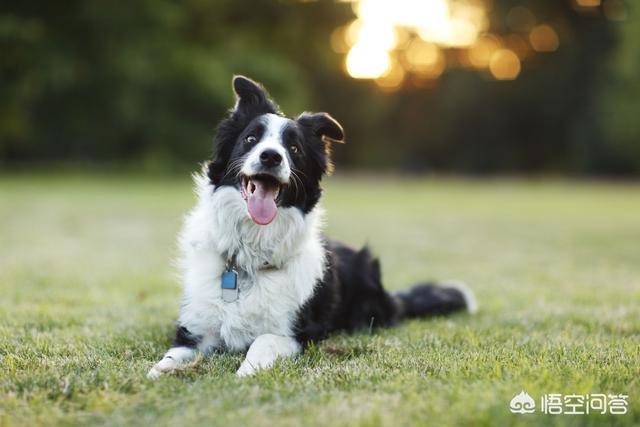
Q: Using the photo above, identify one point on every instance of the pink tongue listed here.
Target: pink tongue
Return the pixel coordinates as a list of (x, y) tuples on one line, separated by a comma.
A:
[(262, 204)]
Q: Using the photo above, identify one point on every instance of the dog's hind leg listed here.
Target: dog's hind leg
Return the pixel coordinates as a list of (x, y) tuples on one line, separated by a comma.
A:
[(185, 350)]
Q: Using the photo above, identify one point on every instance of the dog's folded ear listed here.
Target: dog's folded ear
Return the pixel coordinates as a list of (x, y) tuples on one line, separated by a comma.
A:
[(252, 98), (323, 126)]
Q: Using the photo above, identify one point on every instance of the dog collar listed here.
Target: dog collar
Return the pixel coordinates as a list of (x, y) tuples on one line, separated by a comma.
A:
[(229, 279)]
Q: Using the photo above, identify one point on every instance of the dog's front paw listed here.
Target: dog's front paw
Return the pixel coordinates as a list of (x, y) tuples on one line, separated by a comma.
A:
[(246, 369), (154, 373), (164, 366)]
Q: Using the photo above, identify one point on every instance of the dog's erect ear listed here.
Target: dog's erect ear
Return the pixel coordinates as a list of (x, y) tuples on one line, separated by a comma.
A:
[(247, 90), (252, 98), (327, 130), (323, 126), (252, 101)]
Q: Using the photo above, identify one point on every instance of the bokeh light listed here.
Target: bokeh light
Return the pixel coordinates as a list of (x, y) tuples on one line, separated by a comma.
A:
[(480, 53), (518, 45), (375, 33), (391, 40), (504, 65), (588, 3), (423, 57), (366, 61), (393, 78), (544, 38)]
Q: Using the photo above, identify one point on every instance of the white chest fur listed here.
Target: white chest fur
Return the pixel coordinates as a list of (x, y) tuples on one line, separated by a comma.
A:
[(268, 300)]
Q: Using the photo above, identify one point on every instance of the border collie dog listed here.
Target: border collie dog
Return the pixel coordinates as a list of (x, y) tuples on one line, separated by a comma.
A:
[(258, 274)]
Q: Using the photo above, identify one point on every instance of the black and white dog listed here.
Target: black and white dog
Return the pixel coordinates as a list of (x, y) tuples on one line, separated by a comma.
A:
[(257, 272)]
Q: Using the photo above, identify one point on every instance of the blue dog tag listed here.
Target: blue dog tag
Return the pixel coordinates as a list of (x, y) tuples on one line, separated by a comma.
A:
[(229, 285)]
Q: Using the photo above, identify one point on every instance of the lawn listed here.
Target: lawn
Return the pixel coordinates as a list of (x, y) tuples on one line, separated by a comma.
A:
[(88, 297)]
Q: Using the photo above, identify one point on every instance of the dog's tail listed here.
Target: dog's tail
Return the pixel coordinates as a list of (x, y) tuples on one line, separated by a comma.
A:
[(366, 303), (429, 299)]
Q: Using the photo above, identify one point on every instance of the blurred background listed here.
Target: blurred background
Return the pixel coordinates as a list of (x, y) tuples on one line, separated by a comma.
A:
[(454, 86)]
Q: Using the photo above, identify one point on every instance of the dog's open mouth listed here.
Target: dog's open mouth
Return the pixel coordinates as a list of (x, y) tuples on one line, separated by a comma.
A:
[(261, 194)]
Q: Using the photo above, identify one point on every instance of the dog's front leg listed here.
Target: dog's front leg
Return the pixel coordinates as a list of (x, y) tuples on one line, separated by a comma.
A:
[(172, 360), (185, 350), (265, 350)]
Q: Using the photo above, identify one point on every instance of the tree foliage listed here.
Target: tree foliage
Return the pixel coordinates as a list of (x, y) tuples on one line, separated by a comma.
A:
[(146, 81)]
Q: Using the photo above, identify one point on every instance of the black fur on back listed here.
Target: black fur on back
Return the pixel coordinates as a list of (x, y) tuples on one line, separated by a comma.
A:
[(351, 297)]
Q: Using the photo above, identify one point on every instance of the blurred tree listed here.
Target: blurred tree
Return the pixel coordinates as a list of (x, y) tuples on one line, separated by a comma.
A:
[(147, 81), (618, 105), (546, 120), (94, 80)]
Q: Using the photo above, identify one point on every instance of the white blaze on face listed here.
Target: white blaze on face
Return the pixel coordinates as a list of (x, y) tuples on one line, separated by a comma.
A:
[(261, 184), (271, 139)]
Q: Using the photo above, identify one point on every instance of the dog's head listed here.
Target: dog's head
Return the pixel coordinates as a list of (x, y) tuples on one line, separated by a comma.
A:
[(272, 160)]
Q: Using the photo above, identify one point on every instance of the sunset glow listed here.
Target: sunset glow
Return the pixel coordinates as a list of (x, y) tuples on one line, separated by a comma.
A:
[(391, 41), (439, 22)]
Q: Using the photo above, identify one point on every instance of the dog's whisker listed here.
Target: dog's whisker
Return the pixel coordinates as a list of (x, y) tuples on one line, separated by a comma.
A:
[(296, 179)]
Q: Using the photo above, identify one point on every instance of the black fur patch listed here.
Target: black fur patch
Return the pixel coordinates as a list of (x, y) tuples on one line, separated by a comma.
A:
[(349, 297), (184, 338)]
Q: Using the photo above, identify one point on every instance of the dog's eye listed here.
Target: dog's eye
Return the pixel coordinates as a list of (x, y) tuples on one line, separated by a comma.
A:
[(251, 139), (294, 149)]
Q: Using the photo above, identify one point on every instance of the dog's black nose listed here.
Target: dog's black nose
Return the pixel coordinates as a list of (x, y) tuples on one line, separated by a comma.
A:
[(270, 158)]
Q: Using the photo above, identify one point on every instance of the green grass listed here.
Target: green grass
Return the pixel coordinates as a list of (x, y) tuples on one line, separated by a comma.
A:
[(88, 297)]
